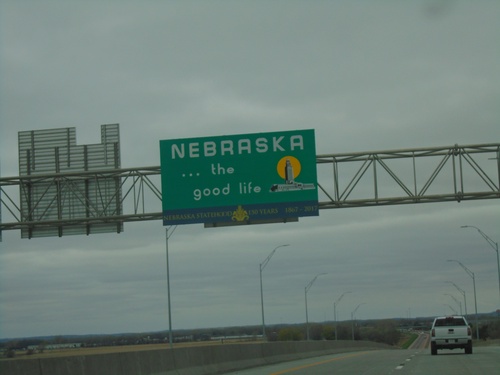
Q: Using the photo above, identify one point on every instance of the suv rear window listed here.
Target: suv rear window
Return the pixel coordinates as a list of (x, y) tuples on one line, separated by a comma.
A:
[(449, 322)]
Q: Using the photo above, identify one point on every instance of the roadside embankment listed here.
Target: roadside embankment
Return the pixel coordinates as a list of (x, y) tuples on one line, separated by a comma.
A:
[(199, 360)]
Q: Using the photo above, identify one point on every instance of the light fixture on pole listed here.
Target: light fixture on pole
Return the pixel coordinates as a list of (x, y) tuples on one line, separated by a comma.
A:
[(306, 290), (494, 245), (261, 268), (335, 304), (471, 274)]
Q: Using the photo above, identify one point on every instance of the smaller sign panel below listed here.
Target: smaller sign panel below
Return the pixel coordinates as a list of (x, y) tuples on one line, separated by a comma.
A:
[(243, 178)]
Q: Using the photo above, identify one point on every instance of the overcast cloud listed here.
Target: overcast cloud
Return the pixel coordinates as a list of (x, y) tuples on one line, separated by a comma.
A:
[(366, 75)]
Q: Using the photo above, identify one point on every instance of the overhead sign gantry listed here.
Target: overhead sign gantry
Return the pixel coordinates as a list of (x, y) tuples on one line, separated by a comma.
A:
[(64, 188)]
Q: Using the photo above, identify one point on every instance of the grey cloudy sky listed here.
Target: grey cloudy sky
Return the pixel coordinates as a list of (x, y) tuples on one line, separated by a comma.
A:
[(365, 75)]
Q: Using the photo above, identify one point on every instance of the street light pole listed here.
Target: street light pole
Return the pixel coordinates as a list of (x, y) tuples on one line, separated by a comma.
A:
[(451, 308), (261, 268), (471, 274), (335, 312), (352, 319), (463, 294), (306, 289), (456, 300), (170, 336), (494, 245)]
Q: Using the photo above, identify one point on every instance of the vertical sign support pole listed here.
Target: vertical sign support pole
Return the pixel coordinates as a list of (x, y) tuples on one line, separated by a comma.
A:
[(168, 292)]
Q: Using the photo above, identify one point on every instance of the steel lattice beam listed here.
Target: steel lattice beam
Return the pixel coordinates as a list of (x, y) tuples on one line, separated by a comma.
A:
[(472, 172)]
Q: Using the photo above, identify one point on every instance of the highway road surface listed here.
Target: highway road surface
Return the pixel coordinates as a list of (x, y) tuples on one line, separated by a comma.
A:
[(484, 361), (421, 342)]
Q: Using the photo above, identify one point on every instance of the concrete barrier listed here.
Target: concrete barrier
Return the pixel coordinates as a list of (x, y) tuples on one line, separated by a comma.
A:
[(197, 360)]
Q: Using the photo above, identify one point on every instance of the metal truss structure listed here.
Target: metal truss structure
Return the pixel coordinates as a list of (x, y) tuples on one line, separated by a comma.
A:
[(362, 179), (439, 174), (137, 186)]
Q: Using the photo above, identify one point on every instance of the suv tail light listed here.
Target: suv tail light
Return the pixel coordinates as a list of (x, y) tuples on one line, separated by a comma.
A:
[(469, 331), (433, 333)]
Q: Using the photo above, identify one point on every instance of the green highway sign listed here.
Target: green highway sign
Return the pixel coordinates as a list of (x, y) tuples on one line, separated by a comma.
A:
[(241, 178)]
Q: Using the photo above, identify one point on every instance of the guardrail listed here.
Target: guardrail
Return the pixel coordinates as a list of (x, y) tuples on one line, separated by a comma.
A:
[(200, 360)]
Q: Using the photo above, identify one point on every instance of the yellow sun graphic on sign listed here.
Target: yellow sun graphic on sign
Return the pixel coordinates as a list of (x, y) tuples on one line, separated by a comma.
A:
[(282, 166)]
